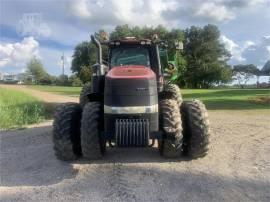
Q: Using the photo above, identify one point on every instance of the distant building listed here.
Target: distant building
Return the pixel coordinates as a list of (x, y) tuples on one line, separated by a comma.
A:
[(12, 78)]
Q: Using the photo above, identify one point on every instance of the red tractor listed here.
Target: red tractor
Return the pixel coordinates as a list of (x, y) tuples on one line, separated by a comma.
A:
[(129, 105)]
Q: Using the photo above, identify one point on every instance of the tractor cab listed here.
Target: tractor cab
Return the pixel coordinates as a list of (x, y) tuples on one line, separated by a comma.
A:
[(130, 51), (127, 53)]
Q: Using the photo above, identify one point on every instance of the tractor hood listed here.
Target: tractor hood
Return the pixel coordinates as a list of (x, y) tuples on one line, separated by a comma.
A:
[(130, 86), (131, 72)]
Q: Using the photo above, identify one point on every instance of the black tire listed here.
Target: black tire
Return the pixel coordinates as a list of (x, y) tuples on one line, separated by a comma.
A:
[(93, 144), (170, 146), (175, 92), (195, 128), (86, 89), (66, 131)]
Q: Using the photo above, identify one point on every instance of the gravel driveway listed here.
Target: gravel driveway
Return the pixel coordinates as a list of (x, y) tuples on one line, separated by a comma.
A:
[(237, 167)]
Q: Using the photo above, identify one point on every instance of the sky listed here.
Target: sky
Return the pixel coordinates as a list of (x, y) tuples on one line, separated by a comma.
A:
[(49, 28)]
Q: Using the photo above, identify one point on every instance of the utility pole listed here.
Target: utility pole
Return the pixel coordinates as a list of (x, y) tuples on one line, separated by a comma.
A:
[(63, 64)]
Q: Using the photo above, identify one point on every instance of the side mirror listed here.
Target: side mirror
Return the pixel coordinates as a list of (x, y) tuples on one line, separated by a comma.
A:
[(171, 66), (179, 45)]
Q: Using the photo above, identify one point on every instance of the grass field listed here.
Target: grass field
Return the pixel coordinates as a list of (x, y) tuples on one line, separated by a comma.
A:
[(215, 99), (18, 109), (231, 99)]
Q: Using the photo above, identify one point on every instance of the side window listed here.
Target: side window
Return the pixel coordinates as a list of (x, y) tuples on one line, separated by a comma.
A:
[(163, 55)]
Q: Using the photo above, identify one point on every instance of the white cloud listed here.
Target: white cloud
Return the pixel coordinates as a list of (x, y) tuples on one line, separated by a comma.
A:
[(248, 44), (209, 11), (233, 48), (140, 12), (250, 52), (213, 11), (268, 49), (16, 55), (80, 9)]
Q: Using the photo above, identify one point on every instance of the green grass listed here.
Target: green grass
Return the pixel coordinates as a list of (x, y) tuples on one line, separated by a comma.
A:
[(229, 99), (62, 90), (18, 109), (215, 99)]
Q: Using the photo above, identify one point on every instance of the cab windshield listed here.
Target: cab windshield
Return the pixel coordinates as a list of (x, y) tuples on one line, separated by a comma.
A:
[(130, 56)]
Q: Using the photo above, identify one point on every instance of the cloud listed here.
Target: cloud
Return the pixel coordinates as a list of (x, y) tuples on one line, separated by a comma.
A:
[(80, 9), (113, 12), (244, 3), (16, 55), (233, 48), (213, 11), (249, 52), (258, 53)]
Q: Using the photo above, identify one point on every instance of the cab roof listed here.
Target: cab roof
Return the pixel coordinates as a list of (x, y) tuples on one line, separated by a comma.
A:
[(130, 41)]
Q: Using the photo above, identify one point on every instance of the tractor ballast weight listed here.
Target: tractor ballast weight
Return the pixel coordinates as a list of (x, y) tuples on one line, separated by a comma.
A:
[(128, 105)]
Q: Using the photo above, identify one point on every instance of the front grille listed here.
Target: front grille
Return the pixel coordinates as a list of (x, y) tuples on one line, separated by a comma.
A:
[(131, 132)]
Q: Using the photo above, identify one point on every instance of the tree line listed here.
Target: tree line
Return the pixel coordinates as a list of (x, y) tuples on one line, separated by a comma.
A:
[(36, 74)]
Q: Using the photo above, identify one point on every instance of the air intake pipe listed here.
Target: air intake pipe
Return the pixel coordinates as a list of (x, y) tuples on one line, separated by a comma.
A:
[(98, 69), (99, 49)]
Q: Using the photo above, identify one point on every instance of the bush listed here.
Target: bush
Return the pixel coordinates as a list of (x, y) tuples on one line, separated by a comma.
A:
[(18, 109)]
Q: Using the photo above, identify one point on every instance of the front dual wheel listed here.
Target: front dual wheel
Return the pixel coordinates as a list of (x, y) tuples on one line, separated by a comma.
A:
[(92, 141), (186, 131)]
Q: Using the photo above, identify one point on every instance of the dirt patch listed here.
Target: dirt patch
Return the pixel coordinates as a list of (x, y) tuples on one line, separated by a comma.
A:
[(44, 96), (261, 99), (237, 167)]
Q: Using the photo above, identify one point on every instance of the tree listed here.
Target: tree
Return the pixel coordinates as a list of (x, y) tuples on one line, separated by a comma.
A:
[(266, 69), (74, 80), (84, 55), (206, 57), (85, 74), (62, 80), (243, 73), (120, 32), (46, 79), (35, 69)]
